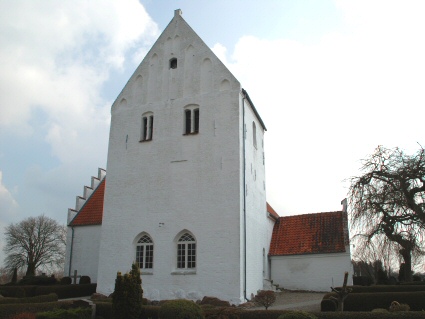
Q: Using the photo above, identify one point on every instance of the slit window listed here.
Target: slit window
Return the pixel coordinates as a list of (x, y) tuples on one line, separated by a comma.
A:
[(173, 63), (147, 128)]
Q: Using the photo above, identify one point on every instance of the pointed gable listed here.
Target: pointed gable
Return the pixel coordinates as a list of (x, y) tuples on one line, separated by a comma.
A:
[(308, 234), (92, 211), (272, 212)]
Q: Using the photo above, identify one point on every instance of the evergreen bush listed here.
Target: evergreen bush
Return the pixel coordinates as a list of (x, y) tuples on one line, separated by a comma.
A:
[(85, 280), (180, 309), (66, 281), (128, 294)]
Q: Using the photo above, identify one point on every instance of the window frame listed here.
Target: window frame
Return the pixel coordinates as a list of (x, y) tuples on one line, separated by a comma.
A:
[(191, 120), (145, 242), (186, 252), (146, 131)]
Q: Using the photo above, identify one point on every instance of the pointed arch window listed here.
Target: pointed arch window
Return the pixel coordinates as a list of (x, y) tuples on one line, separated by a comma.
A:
[(144, 252), (186, 252)]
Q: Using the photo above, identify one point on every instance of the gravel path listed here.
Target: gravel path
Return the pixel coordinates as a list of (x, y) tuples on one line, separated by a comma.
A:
[(309, 301)]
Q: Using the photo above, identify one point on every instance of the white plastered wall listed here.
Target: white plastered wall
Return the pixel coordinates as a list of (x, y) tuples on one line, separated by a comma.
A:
[(314, 272), (84, 248), (176, 183)]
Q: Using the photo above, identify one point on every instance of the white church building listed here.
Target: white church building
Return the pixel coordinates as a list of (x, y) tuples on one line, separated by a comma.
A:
[(184, 192)]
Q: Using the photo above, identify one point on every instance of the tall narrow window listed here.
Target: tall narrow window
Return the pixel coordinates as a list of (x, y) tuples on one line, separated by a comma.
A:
[(186, 252), (147, 127), (191, 121), (173, 63), (144, 252), (188, 121), (254, 134)]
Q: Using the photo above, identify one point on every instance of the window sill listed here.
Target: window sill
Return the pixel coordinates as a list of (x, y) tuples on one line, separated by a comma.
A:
[(184, 272), (146, 272), (142, 141), (194, 133)]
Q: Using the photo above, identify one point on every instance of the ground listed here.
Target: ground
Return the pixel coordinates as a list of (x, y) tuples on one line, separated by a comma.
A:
[(299, 300)]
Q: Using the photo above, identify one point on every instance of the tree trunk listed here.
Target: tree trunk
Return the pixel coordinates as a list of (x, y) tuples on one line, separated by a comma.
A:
[(407, 257), (30, 269)]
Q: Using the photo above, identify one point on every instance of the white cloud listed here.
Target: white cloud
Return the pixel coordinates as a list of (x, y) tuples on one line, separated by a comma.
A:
[(329, 104), (56, 57)]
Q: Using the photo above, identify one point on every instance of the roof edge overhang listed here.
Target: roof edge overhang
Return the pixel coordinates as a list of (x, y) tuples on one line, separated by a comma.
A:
[(245, 94)]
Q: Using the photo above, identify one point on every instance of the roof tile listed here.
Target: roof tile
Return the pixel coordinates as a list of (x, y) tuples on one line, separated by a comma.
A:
[(308, 234), (92, 211)]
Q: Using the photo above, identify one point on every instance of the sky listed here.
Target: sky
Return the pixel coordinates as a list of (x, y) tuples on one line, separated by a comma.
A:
[(332, 80)]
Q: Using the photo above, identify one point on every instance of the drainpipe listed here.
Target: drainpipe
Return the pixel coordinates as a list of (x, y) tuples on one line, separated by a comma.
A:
[(244, 192), (70, 252)]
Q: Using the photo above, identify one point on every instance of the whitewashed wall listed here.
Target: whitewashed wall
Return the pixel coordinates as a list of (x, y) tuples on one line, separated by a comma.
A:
[(85, 251), (176, 183), (314, 272)]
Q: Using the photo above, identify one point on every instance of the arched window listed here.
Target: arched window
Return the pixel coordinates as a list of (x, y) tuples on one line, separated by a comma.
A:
[(191, 119), (186, 252), (144, 252)]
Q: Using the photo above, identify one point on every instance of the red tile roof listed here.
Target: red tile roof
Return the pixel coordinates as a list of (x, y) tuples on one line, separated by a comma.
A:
[(308, 234), (271, 211), (92, 211)]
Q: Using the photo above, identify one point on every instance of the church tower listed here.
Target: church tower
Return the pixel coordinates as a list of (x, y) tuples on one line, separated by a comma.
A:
[(185, 192)]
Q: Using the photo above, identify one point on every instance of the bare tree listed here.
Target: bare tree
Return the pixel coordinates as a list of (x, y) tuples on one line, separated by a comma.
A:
[(35, 242), (389, 199)]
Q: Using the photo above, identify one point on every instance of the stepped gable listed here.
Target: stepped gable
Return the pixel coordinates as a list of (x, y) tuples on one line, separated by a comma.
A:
[(89, 208), (308, 234)]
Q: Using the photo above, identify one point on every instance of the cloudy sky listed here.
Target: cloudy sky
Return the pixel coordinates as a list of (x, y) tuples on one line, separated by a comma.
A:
[(331, 80)]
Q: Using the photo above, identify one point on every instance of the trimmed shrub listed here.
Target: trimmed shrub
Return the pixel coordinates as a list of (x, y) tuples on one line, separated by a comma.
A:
[(67, 291), (180, 309), (12, 292), (221, 313), (403, 287), (265, 298), (370, 301), (9, 310), (328, 305), (381, 310), (84, 280), (213, 301), (65, 281), (294, 314), (76, 313), (104, 310), (38, 281), (37, 299), (128, 294), (151, 312)]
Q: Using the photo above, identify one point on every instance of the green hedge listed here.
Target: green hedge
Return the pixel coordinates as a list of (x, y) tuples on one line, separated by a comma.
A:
[(67, 291), (76, 313), (17, 291), (37, 299), (9, 310), (369, 315), (387, 288), (151, 312), (370, 301)]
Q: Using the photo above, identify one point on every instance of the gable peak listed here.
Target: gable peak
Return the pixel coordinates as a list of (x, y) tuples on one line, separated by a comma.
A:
[(178, 13)]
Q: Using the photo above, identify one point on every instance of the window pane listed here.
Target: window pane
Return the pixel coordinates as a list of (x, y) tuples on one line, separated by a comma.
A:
[(181, 254), (151, 128), (196, 120), (149, 256), (139, 256), (188, 121), (145, 129)]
